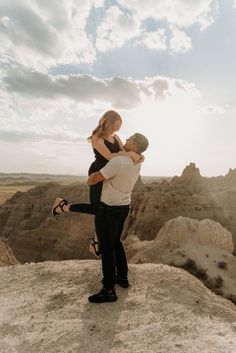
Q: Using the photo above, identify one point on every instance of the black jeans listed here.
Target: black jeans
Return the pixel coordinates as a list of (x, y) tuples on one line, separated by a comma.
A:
[(109, 223), (94, 196)]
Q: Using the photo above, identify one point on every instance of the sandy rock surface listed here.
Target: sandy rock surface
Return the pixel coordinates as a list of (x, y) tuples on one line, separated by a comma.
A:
[(205, 232), (202, 247), (44, 309), (6, 255)]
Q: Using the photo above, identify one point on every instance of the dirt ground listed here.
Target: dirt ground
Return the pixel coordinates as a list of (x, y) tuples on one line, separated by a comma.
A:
[(45, 309)]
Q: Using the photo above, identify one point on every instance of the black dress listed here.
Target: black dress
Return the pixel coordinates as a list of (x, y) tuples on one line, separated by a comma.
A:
[(95, 190)]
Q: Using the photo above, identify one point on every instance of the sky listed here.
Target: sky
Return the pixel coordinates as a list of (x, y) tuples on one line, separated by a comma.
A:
[(168, 67)]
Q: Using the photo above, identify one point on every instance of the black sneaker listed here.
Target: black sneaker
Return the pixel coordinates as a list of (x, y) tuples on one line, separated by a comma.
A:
[(123, 282), (103, 296)]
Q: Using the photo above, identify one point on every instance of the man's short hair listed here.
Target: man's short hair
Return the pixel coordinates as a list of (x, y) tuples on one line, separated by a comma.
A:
[(140, 141)]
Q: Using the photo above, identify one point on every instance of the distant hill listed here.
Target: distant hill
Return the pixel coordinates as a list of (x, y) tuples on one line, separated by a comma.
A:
[(19, 179), (10, 183), (11, 179)]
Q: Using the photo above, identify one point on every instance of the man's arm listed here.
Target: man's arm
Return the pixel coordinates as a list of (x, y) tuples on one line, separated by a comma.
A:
[(95, 178), (107, 172)]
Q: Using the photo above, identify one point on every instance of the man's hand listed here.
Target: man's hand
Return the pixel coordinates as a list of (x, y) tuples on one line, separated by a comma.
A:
[(95, 178)]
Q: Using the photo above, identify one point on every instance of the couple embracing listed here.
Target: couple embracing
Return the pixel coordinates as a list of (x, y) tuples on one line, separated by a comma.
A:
[(112, 177)]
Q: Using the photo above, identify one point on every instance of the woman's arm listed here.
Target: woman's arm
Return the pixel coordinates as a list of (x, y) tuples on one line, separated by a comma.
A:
[(98, 144)]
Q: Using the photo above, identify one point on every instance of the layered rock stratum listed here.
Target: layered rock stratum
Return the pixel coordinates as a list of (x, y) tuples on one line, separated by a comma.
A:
[(44, 308), (7, 257), (33, 234)]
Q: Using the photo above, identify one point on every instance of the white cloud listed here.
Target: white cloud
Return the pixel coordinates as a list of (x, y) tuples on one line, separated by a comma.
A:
[(36, 95), (180, 42), (47, 132), (154, 40), (98, 3), (177, 12), (216, 109), (120, 92), (41, 107), (47, 156), (116, 29), (41, 33), (38, 133)]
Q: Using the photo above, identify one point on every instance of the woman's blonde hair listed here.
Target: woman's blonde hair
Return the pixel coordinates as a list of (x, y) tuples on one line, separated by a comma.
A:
[(107, 120)]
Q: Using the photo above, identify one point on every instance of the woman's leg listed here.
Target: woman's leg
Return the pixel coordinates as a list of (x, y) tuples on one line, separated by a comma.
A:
[(90, 208)]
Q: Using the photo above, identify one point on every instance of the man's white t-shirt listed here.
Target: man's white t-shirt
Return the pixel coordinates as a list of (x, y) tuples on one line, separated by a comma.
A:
[(120, 175)]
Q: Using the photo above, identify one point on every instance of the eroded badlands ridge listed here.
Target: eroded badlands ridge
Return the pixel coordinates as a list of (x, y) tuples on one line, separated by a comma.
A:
[(27, 226)]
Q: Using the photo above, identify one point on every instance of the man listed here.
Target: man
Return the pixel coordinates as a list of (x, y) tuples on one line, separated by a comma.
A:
[(119, 177)]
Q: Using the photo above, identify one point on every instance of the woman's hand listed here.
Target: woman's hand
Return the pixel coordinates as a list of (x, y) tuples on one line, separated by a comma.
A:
[(141, 158), (137, 158)]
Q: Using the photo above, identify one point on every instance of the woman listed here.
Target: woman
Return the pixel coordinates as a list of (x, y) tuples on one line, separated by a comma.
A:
[(106, 145)]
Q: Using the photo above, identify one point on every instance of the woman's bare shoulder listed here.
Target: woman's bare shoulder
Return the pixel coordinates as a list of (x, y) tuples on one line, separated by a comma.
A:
[(97, 139)]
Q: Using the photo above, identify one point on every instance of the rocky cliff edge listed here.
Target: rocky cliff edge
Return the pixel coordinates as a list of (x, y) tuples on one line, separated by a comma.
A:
[(44, 308)]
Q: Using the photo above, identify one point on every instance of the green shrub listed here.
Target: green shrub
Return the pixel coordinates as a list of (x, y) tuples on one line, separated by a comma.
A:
[(191, 267), (222, 265)]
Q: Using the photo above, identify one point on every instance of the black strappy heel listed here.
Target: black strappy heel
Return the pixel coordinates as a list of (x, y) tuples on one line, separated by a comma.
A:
[(94, 246), (58, 203)]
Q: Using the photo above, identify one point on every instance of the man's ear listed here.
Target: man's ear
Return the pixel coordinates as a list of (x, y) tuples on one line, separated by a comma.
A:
[(135, 149)]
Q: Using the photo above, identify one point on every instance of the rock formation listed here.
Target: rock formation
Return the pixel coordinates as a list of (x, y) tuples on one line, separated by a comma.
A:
[(203, 248), (44, 308), (189, 195), (7, 257), (221, 183), (35, 235), (186, 230), (190, 178), (29, 229), (139, 183)]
